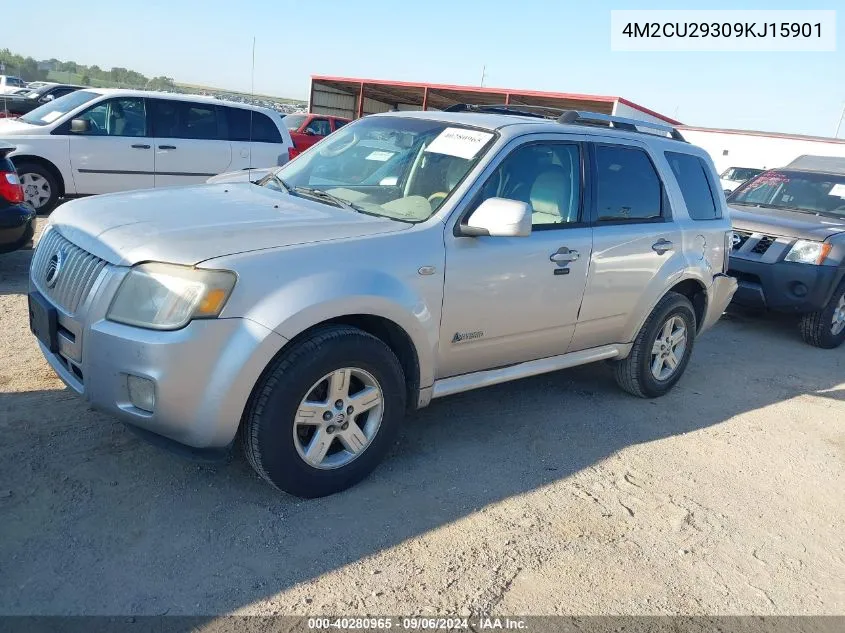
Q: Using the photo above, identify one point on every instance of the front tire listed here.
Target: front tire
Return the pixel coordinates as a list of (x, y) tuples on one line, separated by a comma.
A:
[(661, 350), (325, 413), (40, 187), (825, 328)]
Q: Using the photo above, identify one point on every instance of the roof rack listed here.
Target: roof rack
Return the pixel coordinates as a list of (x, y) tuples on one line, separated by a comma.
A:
[(579, 117), (571, 117), (504, 108)]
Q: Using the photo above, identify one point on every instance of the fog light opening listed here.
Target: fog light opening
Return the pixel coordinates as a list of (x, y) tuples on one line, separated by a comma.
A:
[(142, 393), (799, 289)]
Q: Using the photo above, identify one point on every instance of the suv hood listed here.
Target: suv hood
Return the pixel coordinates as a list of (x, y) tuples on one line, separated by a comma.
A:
[(187, 225), (785, 223)]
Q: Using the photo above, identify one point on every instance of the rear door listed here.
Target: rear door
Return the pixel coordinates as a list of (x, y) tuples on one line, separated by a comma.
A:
[(191, 141), (635, 242), (115, 153)]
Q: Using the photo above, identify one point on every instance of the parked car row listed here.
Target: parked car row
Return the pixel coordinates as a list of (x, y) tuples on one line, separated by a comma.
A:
[(16, 104), (411, 256)]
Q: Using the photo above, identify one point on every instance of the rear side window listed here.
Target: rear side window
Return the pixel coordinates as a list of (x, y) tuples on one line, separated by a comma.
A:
[(183, 119), (691, 174), (263, 128), (627, 186), (339, 123)]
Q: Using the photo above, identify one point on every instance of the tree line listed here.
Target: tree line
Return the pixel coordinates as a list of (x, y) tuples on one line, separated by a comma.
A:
[(30, 69)]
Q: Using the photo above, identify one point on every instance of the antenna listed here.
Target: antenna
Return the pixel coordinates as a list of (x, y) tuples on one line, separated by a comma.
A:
[(839, 123), (252, 99), (483, 74)]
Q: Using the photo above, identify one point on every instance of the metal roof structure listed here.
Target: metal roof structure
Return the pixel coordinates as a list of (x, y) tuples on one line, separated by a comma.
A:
[(355, 97)]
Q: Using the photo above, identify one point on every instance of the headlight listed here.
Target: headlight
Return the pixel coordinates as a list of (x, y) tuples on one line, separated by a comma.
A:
[(167, 297), (808, 252)]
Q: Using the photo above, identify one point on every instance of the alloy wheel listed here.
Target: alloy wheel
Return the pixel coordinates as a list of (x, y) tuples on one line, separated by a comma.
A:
[(36, 189), (668, 349), (338, 418)]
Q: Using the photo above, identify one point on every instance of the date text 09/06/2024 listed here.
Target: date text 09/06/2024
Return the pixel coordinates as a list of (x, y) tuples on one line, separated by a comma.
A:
[(417, 623)]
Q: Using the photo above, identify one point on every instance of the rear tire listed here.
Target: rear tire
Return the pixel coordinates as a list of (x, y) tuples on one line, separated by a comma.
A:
[(825, 328), (661, 350), (40, 187), (296, 435)]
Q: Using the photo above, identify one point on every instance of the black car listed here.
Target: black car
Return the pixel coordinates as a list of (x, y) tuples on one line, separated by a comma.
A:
[(16, 105), (789, 245), (17, 218)]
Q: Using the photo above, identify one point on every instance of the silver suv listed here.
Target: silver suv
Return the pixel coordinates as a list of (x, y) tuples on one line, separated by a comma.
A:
[(406, 257)]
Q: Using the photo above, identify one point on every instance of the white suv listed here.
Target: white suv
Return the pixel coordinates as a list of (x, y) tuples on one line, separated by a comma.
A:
[(10, 84), (101, 141)]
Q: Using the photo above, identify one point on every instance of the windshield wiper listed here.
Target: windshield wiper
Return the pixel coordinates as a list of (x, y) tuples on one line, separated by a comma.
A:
[(323, 195), (778, 207)]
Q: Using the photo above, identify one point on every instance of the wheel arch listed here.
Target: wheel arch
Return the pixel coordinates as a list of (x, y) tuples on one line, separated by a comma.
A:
[(390, 333), (690, 286), (19, 159)]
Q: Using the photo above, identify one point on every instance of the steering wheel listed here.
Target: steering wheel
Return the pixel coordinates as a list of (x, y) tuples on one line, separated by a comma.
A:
[(440, 196), (330, 150)]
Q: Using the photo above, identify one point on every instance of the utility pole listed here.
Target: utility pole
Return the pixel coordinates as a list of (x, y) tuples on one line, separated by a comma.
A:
[(839, 122)]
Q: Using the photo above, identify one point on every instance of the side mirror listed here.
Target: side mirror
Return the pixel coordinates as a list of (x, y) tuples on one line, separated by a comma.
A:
[(310, 133), (48, 98), (79, 126), (499, 217)]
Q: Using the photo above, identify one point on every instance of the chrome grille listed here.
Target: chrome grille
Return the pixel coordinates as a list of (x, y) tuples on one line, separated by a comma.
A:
[(79, 270)]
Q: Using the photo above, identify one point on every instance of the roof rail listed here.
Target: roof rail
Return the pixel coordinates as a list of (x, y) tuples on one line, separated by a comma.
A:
[(504, 108), (578, 117)]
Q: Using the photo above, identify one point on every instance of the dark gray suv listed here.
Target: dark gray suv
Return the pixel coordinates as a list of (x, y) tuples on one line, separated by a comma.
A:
[(789, 245)]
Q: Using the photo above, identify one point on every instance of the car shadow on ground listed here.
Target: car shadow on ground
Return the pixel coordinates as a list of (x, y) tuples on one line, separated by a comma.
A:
[(97, 521)]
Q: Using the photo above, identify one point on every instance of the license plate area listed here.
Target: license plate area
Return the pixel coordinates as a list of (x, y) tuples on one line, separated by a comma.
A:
[(44, 321)]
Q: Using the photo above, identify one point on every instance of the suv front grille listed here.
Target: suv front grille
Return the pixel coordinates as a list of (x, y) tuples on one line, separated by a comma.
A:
[(739, 239), (63, 272), (763, 244)]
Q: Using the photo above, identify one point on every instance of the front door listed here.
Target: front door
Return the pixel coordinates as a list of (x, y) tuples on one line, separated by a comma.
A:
[(634, 243), (191, 142), (115, 152), (513, 299)]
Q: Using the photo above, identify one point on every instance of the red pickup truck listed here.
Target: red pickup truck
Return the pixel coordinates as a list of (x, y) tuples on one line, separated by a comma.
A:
[(307, 129)]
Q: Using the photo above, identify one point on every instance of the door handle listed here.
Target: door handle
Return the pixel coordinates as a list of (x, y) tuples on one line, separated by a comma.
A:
[(167, 147), (139, 146), (661, 246), (564, 256)]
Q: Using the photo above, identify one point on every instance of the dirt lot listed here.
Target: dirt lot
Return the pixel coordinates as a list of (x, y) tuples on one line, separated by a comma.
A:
[(557, 494)]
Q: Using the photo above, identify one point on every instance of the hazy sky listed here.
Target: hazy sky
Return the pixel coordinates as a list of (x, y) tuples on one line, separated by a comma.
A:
[(530, 44)]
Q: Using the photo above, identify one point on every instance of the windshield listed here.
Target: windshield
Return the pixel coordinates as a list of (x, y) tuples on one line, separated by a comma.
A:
[(740, 173), (812, 192), (293, 121), (401, 168), (57, 108)]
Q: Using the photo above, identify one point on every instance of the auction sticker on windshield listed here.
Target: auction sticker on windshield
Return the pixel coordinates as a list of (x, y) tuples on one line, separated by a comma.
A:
[(837, 190), (459, 142), (51, 116)]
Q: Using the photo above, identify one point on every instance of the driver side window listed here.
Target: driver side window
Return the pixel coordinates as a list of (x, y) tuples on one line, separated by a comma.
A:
[(124, 116), (547, 176)]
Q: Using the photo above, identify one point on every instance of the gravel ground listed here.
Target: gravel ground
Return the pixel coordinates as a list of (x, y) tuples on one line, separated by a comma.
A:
[(553, 495)]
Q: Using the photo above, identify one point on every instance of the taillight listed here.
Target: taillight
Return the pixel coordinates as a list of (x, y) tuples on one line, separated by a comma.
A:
[(10, 187)]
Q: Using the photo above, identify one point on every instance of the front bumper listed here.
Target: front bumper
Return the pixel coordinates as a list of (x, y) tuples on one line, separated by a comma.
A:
[(783, 286), (721, 292), (203, 375)]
